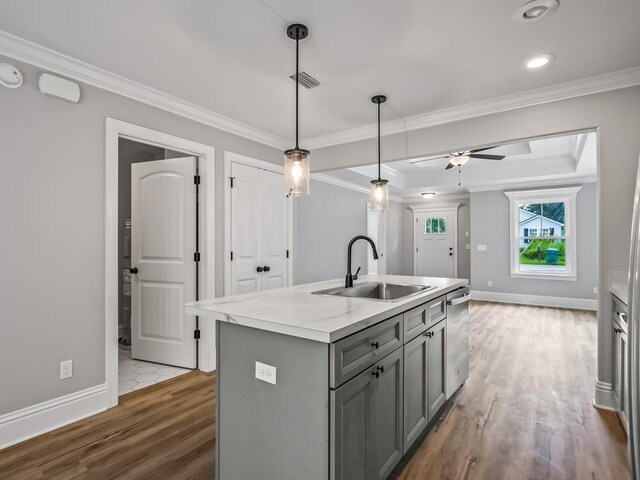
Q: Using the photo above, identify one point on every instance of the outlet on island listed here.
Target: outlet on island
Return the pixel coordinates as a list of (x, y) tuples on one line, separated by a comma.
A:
[(266, 373)]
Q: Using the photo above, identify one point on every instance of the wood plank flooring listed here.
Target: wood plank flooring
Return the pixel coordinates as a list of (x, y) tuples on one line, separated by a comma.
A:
[(525, 413)]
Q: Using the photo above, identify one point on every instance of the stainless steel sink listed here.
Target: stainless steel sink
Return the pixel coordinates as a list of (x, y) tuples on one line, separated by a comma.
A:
[(389, 292)]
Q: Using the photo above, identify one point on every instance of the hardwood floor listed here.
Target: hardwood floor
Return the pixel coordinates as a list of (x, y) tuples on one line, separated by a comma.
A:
[(525, 413)]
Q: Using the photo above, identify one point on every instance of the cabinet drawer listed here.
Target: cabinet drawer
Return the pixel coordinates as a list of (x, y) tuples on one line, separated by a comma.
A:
[(619, 311), (419, 319), (353, 354)]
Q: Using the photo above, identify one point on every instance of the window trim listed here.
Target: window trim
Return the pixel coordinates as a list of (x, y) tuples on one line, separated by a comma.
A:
[(567, 195)]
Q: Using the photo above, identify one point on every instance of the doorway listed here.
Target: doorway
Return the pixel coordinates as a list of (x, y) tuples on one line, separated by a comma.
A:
[(436, 240), (156, 257), (258, 226)]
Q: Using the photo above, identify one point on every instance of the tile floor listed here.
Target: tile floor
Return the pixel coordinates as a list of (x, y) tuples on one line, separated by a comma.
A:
[(136, 374)]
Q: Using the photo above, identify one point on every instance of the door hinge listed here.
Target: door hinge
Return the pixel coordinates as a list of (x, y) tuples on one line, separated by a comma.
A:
[(196, 179), (232, 256), (416, 220), (287, 253), (231, 180), (196, 334), (196, 257)]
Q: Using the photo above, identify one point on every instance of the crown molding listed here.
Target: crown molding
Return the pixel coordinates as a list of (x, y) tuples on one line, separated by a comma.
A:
[(338, 182), (44, 58), (563, 91)]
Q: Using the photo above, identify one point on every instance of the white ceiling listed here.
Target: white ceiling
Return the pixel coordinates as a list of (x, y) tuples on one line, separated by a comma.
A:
[(543, 161), (233, 56)]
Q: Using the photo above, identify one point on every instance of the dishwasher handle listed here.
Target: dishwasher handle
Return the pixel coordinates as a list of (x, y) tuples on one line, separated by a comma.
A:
[(459, 300)]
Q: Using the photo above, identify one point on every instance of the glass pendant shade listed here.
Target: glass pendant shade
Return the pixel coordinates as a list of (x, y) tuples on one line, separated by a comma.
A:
[(459, 160), (379, 194), (296, 172)]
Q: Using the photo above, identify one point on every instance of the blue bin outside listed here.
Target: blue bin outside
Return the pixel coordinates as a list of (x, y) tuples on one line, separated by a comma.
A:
[(551, 255)]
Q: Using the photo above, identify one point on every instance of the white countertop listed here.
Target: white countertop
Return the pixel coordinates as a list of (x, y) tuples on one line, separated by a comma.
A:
[(297, 312), (619, 285)]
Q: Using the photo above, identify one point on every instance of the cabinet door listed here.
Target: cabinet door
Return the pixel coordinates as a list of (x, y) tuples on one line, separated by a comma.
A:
[(388, 413), (351, 416), (416, 404), (617, 365), (624, 398), (436, 367)]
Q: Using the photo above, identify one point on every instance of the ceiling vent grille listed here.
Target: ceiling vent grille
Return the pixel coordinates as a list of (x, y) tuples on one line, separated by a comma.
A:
[(305, 80)]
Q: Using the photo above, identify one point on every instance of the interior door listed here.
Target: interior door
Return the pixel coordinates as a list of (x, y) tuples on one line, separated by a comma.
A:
[(434, 243), (246, 229), (259, 230), (163, 239)]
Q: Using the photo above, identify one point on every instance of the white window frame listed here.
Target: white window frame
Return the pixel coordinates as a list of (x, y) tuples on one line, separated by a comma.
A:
[(566, 195)]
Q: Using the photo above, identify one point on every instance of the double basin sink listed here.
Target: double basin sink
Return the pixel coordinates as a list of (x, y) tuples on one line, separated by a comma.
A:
[(389, 292)]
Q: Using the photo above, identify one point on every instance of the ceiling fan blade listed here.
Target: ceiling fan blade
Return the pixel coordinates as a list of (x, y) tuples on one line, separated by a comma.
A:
[(487, 157), (483, 149), (428, 159), (449, 165)]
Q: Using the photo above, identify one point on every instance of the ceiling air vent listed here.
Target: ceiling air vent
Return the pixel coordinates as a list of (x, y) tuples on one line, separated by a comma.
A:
[(306, 80)]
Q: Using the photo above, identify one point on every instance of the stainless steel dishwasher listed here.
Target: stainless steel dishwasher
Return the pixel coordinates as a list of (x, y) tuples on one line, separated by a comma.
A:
[(457, 368)]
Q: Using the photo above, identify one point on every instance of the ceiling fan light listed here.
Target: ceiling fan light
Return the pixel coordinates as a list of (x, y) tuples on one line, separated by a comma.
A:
[(428, 195), (379, 194), (536, 11), (296, 172), (459, 160)]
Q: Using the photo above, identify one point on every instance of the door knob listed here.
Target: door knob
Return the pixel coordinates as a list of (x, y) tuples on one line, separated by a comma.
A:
[(267, 269), (451, 254), (259, 269), (133, 270)]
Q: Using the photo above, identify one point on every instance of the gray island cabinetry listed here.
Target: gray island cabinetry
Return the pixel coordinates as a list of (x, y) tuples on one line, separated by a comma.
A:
[(320, 387)]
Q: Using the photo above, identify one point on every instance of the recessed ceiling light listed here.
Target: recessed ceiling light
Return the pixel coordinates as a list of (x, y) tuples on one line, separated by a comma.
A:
[(535, 10), (538, 61), (428, 195)]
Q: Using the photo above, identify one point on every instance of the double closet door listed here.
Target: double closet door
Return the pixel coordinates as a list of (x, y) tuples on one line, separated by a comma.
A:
[(260, 227)]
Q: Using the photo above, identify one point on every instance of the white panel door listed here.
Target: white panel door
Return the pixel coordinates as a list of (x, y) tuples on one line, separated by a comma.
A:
[(435, 244), (259, 230), (246, 229), (163, 239), (275, 238)]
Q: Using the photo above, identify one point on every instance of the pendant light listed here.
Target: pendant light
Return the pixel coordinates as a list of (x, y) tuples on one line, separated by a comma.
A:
[(379, 187), (296, 160)]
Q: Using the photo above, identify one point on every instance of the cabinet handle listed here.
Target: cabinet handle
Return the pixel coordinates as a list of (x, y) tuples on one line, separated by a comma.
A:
[(259, 269), (617, 330), (428, 334), (266, 268), (375, 373), (375, 345), (380, 368)]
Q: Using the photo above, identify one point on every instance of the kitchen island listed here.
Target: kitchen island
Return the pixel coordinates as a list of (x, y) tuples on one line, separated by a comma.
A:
[(313, 386)]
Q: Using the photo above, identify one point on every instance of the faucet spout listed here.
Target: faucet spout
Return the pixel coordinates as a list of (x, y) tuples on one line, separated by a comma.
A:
[(348, 283)]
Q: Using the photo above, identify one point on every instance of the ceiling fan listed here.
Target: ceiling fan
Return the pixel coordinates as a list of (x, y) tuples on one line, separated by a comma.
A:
[(457, 159)]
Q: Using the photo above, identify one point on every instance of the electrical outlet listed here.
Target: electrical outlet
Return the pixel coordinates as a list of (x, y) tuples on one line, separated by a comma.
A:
[(595, 290), (66, 369), (466, 233), (489, 283), (266, 373), (468, 246)]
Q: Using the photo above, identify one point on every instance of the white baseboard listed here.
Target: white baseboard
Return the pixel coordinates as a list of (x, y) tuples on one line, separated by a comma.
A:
[(604, 397), (35, 420), (539, 300)]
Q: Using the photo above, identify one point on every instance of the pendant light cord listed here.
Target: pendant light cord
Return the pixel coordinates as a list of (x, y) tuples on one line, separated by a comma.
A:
[(379, 177), (297, 84)]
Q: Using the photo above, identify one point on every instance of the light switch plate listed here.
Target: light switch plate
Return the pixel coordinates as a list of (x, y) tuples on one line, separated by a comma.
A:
[(482, 248), (266, 373), (126, 275)]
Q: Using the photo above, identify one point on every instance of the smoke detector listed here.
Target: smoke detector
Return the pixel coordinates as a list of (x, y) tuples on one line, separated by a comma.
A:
[(535, 10), (10, 76)]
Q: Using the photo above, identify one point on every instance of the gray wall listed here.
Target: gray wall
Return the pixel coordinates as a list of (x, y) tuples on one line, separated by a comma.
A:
[(616, 115), (52, 267), (326, 221), (490, 227)]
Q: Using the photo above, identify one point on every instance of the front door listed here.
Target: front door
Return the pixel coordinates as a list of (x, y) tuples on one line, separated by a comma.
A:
[(435, 252), (259, 230), (163, 243)]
